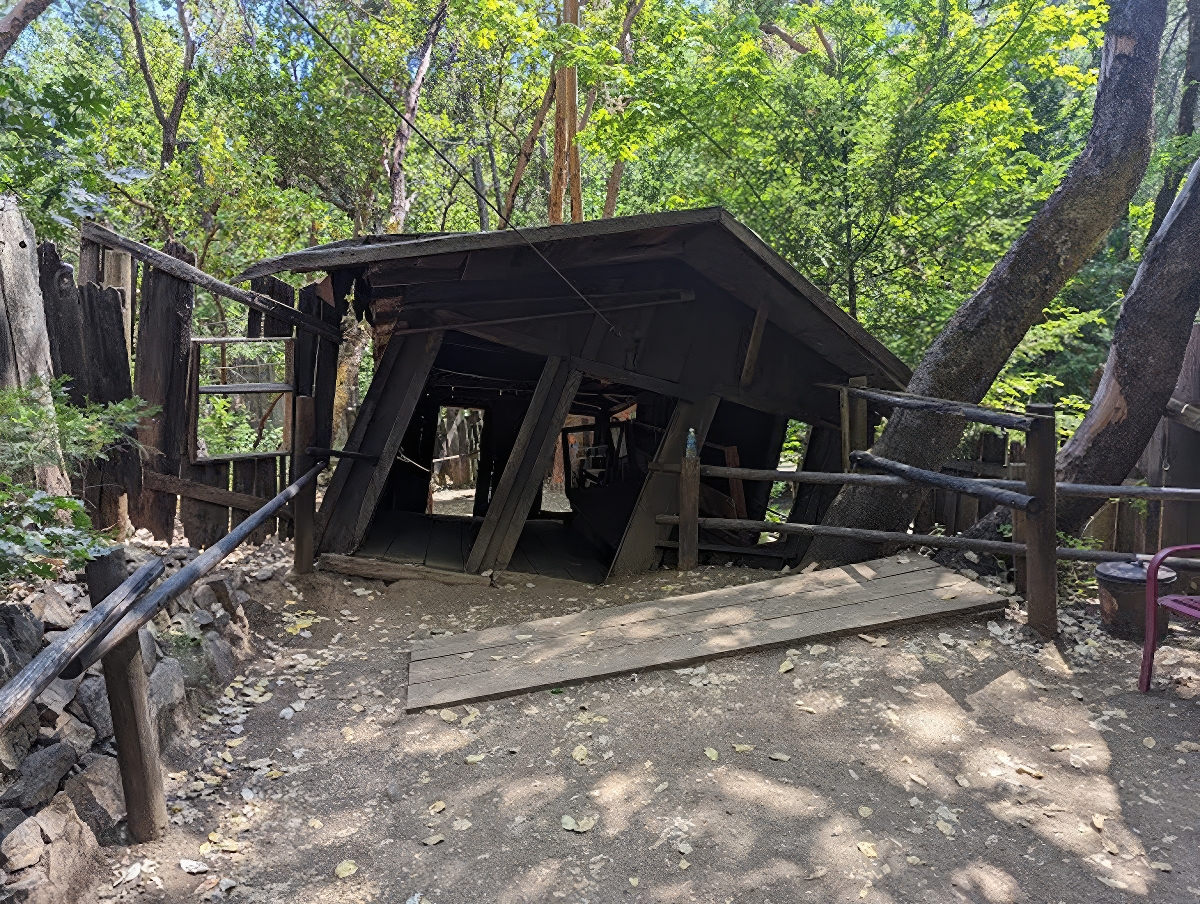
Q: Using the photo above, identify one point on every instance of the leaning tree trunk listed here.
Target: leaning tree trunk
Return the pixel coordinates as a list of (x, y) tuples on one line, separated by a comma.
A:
[(969, 353), (1144, 361), (24, 342), (1148, 346), (1186, 122)]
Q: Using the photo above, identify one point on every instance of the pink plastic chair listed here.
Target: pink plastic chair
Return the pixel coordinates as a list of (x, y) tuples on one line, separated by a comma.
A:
[(1184, 605)]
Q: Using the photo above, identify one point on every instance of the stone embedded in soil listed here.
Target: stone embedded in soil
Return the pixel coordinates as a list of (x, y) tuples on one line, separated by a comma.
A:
[(38, 777), (69, 729), (149, 649), (91, 705), (98, 797), (17, 740), (167, 694), (19, 627), (23, 846)]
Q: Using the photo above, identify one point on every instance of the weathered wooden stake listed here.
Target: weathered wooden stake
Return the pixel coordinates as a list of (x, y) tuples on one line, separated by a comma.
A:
[(129, 699), (856, 430), (1041, 536), (306, 499), (689, 507)]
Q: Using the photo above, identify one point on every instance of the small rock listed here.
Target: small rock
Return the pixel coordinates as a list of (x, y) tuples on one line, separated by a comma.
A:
[(38, 777), (57, 696), (10, 818), (167, 695), (91, 705), (150, 653), (23, 846), (19, 627), (17, 740), (218, 658), (52, 608), (72, 731), (99, 798), (202, 618)]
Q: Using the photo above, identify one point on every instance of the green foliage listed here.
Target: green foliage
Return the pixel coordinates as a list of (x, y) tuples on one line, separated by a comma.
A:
[(34, 433), (225, 426), (40, 534)]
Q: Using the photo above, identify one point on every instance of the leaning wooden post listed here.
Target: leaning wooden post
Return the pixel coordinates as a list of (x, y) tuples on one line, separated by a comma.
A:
[(1041, 535), (306, 499), (689, 506), (129, 700)]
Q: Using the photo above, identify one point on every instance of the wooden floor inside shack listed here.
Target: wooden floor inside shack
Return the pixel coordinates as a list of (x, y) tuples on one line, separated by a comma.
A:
[(475, 665), (547, 547)]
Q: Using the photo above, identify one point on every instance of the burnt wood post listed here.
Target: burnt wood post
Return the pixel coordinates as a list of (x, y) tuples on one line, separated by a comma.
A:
[(1041, 534), (111, 482), (64, 320), (128, 698), (689, 506), (164, 335), (306, 499)]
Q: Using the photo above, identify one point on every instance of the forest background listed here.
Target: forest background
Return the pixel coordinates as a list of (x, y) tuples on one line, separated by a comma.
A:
[(890, 150)]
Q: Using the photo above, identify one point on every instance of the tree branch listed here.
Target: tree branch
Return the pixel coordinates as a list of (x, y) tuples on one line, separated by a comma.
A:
[(16, 21)]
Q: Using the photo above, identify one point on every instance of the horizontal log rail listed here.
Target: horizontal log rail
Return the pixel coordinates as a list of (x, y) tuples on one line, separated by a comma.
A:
[(577, 312), (147, 607), (178, 486), (935, 541), (994, 417), (94, 232), (834, 478), (965, 485), (27, 684)]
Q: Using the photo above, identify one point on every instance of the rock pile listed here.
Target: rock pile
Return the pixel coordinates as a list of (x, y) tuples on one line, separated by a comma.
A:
[(60, 786)]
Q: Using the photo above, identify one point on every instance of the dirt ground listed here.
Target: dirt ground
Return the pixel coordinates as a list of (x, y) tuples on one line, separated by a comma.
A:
[(958, 762)]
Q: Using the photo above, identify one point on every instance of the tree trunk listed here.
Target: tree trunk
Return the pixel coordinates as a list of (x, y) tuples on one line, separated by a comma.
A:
[(168, 119), (526, 152), (16, 20), (1187, 117), (24, 343), (969, 353), (393, 161), (355, 338), (1143, 365), (614, 188)]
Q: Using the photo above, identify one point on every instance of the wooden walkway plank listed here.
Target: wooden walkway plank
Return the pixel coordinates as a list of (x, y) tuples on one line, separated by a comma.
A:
[(725, 617), (591, 619), (742, 618)]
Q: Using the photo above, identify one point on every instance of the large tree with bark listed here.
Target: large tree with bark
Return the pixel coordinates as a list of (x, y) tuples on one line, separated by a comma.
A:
[(972, 349)]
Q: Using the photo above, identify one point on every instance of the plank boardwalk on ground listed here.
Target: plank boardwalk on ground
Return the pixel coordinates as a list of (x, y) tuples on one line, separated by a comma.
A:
[(597, 643)]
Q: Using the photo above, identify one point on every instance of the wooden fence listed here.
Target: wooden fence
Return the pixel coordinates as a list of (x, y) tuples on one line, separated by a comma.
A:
[(1034, 545)]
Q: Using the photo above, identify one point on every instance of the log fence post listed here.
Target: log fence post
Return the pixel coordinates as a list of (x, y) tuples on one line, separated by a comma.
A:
[(689, 506), (306, 500), (1041, 534), (129, 699)]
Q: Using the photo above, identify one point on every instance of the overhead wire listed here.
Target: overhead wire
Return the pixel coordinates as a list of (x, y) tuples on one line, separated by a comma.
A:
[(446, 160)]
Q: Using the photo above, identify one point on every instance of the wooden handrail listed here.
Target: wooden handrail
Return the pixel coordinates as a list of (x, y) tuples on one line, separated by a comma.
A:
[(993, 547), (94, 232), (27, 684), (993, 417), (146, 608), (834, 478), (965, 485)]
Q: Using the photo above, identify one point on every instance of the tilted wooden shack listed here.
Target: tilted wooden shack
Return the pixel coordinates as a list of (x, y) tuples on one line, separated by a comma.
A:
[(686, 318)]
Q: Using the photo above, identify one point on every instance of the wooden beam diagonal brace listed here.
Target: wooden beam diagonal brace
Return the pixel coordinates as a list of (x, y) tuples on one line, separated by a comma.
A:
[(93, 232), (526, 466)]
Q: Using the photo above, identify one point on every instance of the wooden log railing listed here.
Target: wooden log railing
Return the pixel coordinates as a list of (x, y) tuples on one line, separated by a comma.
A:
[(1033, 501), (99, 235), (109, 632)]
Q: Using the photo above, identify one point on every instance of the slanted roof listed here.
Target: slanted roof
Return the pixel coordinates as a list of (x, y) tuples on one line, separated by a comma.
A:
[(709, 241)]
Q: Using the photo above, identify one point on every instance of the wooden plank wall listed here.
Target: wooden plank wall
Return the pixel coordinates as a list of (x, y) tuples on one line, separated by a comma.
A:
[(164, 335)]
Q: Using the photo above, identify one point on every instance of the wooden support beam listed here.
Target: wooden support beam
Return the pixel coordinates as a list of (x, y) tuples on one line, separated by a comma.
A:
[(1041, 536), (755, 343), (689, 511), (178, 486), (349, 504), (164, 338), (1183, 413), (383, 570), (660, 491), (306, 500), (97, 234), (526, 467), (860, 426), (128, 697)]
